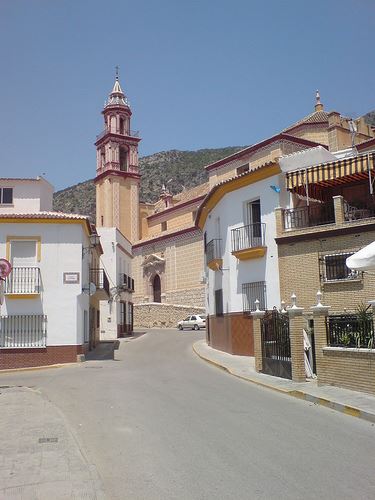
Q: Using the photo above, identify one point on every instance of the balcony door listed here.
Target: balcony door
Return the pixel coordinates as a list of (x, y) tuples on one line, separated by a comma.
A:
[(24, 277), (253, 222)]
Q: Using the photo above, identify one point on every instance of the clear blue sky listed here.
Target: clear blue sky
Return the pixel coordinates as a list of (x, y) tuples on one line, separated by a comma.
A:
[(198, 73)]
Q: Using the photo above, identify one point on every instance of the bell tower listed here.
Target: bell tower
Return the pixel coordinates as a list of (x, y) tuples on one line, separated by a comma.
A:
[(117, 175)]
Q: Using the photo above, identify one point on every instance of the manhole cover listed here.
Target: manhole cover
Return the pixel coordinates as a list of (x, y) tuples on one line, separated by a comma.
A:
[(48, 440)]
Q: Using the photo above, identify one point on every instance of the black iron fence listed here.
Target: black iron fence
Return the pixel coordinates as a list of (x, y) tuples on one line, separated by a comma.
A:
[(249, 236), (213, 250), (100, 280), (23, 280), (310, 215), (357, 213), (350, 330), (28, 330)]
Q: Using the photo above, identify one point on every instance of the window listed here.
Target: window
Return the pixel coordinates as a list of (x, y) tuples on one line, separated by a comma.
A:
[(243, 168), (334, 268), (251, 292), (164, 226), (219, 302), (194, 214), (6, 196)]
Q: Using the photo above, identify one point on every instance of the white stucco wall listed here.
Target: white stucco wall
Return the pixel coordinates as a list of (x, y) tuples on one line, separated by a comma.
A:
[(61, 251), (29, 195), (116, 260), (231, 212)]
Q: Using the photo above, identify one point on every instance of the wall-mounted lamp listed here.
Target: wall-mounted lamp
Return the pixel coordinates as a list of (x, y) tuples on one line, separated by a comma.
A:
[(94, 242)]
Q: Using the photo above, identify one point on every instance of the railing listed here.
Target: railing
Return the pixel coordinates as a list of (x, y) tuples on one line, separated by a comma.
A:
[(23, 280), (252, 292), (350, 330), (127, 282), (354, 213), (129, 133), (114, 165), (249, 236), (100, 280), (213, 250), (23, 330), (311, 215)]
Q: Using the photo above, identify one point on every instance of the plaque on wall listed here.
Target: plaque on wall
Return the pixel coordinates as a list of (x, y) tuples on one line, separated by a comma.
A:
[(71, 278)]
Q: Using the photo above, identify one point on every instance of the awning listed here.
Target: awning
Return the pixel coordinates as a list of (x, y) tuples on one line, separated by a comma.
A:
[(363, 260), (332, 173)]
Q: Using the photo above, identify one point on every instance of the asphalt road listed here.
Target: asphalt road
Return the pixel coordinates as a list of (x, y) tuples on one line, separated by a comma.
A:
[(163, 424)]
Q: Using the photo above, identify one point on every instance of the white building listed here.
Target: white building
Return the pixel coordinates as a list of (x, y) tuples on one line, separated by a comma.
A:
[(50, 313), (116, 314)]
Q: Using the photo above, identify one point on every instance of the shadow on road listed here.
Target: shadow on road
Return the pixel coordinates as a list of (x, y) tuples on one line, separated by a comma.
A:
[(103, 351)]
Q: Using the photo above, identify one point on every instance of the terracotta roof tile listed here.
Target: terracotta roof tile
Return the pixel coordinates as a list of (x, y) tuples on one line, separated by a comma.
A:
[(315, 117), (184, 196), (43, 215)]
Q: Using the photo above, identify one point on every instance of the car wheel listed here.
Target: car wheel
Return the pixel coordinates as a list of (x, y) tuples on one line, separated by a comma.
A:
[(196, 327), (180, 327)]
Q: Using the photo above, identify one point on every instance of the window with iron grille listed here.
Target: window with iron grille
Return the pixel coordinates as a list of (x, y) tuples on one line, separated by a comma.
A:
[(333, 268), (164, 226), (219, 302), (252, 292)]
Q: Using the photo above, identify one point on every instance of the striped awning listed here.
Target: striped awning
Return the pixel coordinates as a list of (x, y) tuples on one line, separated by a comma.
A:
[(332, 173)]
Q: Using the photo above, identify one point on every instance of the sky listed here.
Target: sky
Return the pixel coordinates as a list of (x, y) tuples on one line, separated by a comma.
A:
[(198, 73)]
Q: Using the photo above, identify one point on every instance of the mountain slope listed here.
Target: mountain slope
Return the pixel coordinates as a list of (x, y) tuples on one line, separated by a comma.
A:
[(179, 168)]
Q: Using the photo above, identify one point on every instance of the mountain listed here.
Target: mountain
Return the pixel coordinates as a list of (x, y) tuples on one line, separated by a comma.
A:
[(179, 168), (370, 118)]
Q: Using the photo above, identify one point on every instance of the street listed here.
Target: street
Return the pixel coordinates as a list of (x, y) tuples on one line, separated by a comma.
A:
[(162, 424)]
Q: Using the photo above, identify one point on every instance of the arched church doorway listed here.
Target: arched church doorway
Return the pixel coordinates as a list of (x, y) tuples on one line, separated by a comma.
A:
[(156, 287)]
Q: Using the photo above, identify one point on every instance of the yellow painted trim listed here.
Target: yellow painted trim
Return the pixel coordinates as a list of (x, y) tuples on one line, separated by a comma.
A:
[(22, 295), (84, 223), (38, 240), (238, 182), (215, 264), (250, 253)]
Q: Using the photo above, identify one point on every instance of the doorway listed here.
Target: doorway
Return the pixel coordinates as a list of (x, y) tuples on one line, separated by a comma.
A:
[(156, 287)]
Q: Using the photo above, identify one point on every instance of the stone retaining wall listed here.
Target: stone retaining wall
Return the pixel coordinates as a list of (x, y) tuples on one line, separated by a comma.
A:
[(151, 315)]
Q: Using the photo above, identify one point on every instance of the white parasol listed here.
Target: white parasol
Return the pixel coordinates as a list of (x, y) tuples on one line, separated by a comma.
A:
[(363, 260)]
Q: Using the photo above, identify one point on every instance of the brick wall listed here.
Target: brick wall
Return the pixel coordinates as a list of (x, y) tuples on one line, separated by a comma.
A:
[(232, 333), (155, 315), (349, 368), (25, 358), (300, 272)]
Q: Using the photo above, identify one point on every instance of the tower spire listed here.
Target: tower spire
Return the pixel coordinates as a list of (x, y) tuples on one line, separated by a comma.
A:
[(318, 104)]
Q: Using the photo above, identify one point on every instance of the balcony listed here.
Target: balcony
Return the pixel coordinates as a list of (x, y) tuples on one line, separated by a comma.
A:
[(131, 133), (308, 216), (100, 280), (19, 331), (23, 282), (126, 282), (248, 242), (213, 254)]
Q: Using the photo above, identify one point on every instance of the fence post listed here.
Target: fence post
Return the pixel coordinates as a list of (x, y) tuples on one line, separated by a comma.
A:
[(296, 325), (257, 317), (320, 313)]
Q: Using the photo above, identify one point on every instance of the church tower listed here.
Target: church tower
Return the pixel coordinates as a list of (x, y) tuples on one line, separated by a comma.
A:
[(117, 175)]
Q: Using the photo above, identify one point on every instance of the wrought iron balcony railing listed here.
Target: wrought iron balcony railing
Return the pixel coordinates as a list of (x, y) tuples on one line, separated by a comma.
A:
[(127, 282), (310, 215), (23, 280), (250, 236), (355, 213), (26, 330), (100, 280), (213, 250)]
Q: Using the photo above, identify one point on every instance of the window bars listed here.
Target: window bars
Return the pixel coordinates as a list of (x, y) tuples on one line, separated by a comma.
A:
[(251, 292)]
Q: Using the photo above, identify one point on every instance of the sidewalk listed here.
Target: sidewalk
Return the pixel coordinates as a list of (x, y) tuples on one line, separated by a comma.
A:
[(40, 458), (352, 403)]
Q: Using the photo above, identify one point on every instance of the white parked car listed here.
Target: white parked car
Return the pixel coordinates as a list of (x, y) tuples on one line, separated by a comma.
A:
[(195, 322)]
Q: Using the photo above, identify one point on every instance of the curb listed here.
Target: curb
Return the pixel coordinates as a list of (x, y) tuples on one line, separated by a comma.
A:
[(342, 408), (35, 368)]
